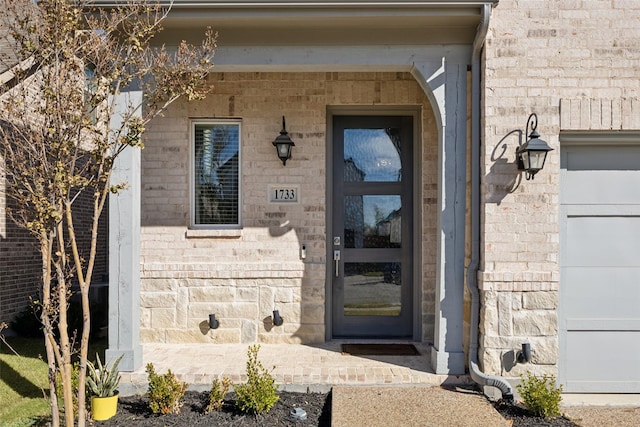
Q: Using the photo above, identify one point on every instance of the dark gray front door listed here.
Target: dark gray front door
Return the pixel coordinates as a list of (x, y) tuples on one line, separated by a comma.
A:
[(372, 227)]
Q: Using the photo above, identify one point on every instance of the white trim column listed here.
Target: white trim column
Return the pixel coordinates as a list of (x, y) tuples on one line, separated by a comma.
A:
[(449, 87), (124, 251)]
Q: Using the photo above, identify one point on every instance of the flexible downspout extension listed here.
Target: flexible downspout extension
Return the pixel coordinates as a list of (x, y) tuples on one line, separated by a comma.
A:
[(472, 271)]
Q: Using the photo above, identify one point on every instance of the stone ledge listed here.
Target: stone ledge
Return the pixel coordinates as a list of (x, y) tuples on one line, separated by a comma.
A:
[(518, 286), (210, 233)]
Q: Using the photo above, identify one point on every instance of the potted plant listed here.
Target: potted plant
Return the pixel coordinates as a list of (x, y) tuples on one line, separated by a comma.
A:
[(102, 381)]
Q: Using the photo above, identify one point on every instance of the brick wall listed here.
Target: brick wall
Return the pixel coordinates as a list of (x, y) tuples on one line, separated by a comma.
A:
[(241, 276), (21, 262), (575, 63)]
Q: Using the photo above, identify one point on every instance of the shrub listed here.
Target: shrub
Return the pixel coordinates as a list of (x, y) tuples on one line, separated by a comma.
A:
[(165, 391), (540, 395), (216, 395), (27, 323), (75, 376), (258, 395)]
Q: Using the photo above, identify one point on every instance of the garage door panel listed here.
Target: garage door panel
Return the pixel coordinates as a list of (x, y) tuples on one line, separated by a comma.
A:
[(598, 292), (603, 361), (602, 241), (611, 157), (599, 295), (604, 187), (602, 175), (601, 324)]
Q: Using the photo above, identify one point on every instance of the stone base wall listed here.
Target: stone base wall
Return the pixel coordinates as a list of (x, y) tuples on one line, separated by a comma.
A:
[(243, 275), (525, 313)]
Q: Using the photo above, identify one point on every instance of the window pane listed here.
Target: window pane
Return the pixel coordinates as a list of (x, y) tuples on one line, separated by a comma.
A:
[(372, 221), (217, 148), (372, 155), (372, 289)]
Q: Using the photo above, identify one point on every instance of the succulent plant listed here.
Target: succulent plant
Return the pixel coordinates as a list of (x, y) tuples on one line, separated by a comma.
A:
[(103, 380)]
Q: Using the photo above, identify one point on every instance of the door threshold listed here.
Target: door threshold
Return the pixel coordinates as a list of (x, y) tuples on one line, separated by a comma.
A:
[(380, 349)]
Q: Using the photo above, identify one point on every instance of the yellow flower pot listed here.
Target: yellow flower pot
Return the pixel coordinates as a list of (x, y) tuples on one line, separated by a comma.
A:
[(103, 408)]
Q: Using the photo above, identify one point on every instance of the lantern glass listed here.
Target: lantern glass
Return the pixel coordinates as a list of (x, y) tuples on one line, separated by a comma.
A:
[(535, 159), (284, 150)]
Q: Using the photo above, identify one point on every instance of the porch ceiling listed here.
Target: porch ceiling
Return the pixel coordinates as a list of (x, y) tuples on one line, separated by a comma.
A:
[(296, 23)]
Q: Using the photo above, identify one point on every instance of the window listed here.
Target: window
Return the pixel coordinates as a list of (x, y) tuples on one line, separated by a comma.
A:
[(215, 195), (90, 88)]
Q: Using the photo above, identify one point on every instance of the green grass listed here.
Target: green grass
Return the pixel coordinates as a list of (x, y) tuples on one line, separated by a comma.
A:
[(23, 378)]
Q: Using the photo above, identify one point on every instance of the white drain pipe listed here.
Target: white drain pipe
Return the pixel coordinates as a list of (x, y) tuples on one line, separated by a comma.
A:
[(472, 271)]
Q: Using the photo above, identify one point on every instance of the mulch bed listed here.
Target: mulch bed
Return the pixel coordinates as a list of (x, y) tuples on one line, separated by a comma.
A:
[(134, 411), (521, 417)]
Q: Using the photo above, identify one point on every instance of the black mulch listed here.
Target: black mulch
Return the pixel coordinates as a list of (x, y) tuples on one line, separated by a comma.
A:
[(523, 418), (134, 411)]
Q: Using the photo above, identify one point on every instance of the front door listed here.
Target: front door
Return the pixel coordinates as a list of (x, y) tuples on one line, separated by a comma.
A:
[(371, 236)]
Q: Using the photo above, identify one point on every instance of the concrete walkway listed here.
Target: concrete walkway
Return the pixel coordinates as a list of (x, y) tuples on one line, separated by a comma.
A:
[(418, 406)]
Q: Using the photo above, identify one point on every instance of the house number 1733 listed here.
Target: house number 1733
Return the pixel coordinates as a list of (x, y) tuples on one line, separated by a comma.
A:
[(283, 194)]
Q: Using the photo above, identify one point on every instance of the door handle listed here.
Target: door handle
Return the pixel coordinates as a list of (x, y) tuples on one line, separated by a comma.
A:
[(336, 258)]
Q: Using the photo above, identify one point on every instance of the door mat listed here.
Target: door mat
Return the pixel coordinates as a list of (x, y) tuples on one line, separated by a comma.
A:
[(380, 349)]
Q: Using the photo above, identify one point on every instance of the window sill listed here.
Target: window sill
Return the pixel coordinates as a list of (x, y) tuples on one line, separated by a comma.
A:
[(222, 233)]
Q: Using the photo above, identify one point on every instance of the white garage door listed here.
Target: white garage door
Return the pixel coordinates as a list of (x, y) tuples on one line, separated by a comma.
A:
[(600, 268)]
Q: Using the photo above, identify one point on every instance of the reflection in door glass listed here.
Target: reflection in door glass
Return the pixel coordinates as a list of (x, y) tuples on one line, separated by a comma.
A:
[(372, 155), (372, 289), (372, 221)]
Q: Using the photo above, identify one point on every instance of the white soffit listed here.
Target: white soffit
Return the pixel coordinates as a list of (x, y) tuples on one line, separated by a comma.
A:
[(265, 22)]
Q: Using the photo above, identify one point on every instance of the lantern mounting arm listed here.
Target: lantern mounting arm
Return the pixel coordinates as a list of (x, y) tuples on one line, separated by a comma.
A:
[(532, 120)]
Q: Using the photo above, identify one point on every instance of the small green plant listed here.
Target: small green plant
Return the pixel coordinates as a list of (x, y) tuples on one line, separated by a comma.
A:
[(75, 375), (103, 380), (165, 391), (540, 395), (259, 394), (219, 389)]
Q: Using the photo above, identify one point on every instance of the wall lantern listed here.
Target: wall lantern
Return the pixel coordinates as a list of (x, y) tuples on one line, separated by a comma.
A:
[(283, 144), (532, 154)]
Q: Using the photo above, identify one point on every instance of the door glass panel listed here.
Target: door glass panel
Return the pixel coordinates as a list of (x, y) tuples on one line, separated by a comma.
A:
[(372, 155), (372, 289), (372, 221)]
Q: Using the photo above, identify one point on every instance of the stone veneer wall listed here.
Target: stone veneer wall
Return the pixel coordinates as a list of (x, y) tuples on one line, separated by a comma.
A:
[(242, 275), (575, 63)]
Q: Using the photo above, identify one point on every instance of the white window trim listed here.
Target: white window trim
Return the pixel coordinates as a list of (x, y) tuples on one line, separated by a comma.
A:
[(192, 186)]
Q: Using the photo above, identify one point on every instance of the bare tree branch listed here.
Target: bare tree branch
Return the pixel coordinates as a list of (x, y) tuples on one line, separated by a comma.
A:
[(58, 142)]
